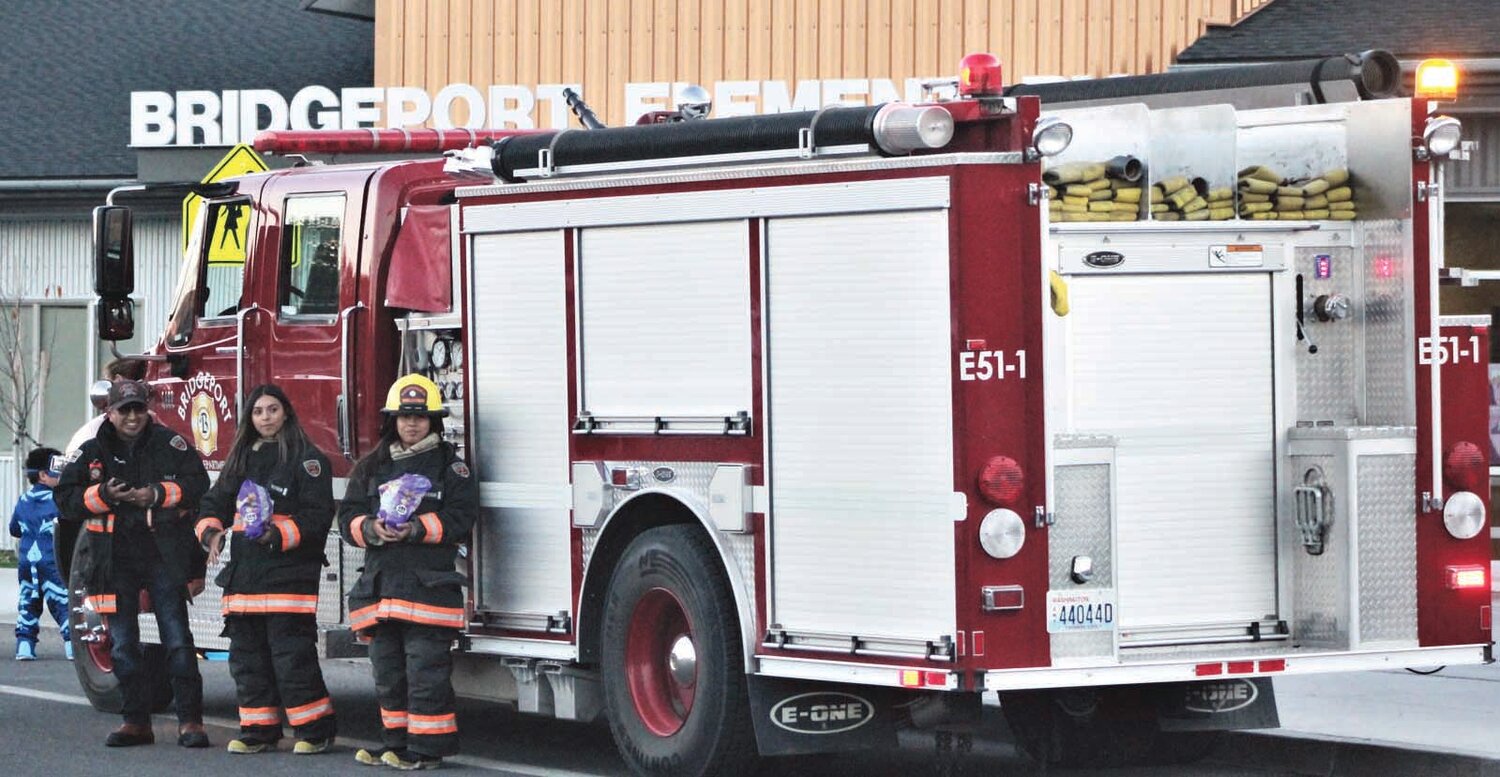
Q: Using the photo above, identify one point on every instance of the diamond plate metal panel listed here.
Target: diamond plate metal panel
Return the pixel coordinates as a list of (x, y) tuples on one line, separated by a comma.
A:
[(206, 619), (1081, 501), (689, 484), (1387, 549), (1328, 381), (1389, 393), (1320, 598)]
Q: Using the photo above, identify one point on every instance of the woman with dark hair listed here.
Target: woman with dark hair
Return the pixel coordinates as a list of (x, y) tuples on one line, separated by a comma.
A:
[(410, 503), (274, 473)]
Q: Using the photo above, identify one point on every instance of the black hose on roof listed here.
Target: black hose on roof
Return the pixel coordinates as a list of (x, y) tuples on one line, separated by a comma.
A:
[(835, 126), (1374, 73)]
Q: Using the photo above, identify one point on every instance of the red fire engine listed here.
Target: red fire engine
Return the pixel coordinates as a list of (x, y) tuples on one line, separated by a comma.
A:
[(795, 430)]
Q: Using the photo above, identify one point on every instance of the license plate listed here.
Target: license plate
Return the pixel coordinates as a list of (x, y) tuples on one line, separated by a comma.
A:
[(1091, 610)]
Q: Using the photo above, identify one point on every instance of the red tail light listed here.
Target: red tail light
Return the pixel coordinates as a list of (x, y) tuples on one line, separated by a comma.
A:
[(1001, 480), (979, 75), (1464, 467), (1463, 578)]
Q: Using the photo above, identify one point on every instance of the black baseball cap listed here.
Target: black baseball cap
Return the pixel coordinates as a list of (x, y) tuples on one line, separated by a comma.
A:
[(127, 392)]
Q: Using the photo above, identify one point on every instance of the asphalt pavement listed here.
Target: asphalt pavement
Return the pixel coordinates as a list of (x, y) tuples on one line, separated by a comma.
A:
[(1390, 722)]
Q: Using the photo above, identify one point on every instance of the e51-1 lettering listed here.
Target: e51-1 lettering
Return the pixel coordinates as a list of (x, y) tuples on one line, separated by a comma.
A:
[(991, 365)]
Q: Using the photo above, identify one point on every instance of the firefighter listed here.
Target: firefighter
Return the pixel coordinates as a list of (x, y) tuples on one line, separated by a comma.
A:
[(270, 584), (128, 486), (409, 601)]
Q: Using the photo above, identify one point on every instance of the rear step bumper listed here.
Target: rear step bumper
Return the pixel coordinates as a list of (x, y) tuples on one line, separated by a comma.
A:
[(1258, 665)]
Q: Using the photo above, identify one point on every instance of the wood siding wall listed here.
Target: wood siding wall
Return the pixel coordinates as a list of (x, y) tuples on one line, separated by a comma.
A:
[(604, 44)]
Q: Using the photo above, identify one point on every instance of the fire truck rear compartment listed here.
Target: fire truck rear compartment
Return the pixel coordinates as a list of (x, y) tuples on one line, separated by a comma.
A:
[(1232, 482), (1237, 467)]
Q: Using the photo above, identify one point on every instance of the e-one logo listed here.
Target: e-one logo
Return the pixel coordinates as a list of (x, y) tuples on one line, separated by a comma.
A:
[(1226, 696), (822, 713), (1104, 259)]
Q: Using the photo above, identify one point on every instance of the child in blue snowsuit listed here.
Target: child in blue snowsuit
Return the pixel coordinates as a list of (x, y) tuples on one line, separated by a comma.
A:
[(35, 523)]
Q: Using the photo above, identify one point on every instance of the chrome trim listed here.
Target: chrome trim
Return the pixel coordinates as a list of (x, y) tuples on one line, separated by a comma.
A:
[(239, 356), (346, 433), (939, 649)]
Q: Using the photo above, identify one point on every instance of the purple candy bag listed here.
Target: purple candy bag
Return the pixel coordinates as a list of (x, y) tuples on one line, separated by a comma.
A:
[(399, 498), (254, 506)]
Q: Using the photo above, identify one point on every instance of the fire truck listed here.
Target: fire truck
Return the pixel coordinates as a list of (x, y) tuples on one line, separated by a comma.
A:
[(795, 431)]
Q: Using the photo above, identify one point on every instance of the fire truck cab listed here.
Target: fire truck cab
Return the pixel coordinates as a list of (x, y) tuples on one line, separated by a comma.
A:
[(797, 430)]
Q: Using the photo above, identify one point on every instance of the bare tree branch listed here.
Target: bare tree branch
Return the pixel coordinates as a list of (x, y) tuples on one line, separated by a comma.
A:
[(23, 373)]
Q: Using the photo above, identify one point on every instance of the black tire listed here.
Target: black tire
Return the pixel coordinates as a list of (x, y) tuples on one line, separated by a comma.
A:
[(1084, 727), (668, 586), (91, 646), (90, 638)]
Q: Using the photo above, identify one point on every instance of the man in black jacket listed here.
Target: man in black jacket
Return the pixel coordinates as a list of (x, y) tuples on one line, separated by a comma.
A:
[(129, 486)]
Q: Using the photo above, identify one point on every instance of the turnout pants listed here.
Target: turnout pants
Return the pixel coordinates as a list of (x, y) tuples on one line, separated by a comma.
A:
[(40, 584), (274, 661), (169, 603), (413, 666)]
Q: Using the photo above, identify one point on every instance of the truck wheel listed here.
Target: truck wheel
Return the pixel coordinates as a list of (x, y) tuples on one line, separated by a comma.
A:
[(1083, 727), (674, 681), (91, 646), (91, 641)]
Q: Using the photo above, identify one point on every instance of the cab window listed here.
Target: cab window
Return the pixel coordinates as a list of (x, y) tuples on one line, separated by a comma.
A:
[(212, 284), (311, 243)]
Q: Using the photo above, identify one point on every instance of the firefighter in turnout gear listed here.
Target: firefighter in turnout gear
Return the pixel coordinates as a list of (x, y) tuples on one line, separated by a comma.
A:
[(410, 502), (271, 579), (129, 486)]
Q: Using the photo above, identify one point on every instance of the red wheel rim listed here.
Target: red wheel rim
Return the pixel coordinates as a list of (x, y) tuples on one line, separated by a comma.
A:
[(663, 698)]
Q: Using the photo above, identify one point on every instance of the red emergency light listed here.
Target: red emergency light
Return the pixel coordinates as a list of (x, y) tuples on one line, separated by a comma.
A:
[(1001, 480), (377, 141), (979, 76), (1464, 467)]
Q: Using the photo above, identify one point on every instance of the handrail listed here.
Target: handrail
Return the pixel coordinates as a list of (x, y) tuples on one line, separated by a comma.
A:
[(239, 355), (345, 432)]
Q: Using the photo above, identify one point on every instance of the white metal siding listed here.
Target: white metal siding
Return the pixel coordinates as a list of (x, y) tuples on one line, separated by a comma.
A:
[(666, 319), (1178, 369), (519, 310), (861, 439), (54, 259)]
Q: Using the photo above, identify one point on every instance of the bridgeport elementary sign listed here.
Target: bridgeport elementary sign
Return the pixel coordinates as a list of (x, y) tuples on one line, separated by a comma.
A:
[(225, 118)]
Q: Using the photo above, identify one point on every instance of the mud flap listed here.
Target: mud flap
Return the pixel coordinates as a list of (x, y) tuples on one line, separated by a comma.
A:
[(796, 717), (1217, 705)]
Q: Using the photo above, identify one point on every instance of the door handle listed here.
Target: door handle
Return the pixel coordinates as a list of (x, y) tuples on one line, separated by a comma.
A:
[(227, 349)]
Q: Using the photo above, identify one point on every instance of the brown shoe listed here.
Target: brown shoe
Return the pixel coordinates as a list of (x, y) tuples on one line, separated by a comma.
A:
[(130, 735), (191, 735)]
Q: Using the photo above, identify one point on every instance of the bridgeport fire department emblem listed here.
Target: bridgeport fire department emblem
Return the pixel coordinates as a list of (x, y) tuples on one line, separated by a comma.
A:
[(205, 424)]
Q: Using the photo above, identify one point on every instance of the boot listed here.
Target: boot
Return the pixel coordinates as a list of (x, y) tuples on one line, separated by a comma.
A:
[(191, 735), (25, 650), (130, 735)]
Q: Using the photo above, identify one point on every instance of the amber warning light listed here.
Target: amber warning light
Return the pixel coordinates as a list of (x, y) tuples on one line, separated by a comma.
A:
[(979, 76), (1437, 79)]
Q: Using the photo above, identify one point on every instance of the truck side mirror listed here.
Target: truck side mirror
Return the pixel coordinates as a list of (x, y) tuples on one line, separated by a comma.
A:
[(114, 254), (116, 318)]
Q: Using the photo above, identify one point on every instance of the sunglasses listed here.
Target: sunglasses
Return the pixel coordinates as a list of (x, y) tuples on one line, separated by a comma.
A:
[(131, 410)]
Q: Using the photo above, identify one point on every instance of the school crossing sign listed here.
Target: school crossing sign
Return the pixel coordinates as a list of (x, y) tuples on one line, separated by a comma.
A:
[(229, 234)]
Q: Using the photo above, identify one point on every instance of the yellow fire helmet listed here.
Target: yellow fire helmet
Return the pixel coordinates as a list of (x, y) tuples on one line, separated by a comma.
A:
[(414, 394)]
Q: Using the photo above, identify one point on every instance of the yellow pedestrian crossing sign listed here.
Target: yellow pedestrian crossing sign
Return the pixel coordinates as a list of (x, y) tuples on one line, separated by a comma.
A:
[(228, 235)]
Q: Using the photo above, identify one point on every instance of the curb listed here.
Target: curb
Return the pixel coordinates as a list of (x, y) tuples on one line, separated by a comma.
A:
[(1302, 754)]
